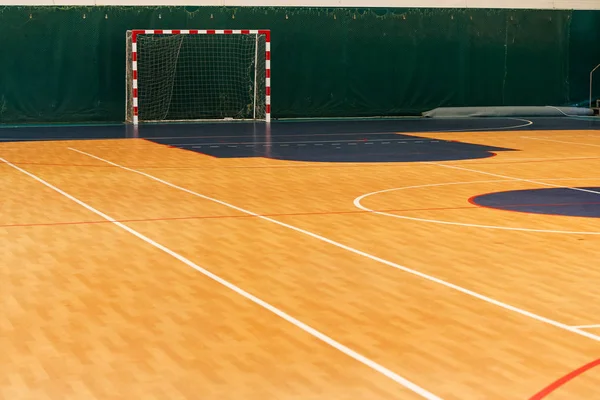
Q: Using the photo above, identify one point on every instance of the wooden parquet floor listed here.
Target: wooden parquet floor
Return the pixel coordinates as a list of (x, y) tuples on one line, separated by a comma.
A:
[(132, 270)]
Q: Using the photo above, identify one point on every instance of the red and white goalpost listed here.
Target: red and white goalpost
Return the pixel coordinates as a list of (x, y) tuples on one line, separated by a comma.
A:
[(198, 74)]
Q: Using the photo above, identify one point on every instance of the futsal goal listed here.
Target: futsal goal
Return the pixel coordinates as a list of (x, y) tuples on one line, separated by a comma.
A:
[(196, 74)]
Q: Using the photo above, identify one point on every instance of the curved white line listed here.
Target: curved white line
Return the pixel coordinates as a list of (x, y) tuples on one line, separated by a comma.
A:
[(488, 129), (358, 204)]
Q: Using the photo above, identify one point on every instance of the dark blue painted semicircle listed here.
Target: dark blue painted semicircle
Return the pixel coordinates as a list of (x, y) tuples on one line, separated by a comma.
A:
[(551, 201)]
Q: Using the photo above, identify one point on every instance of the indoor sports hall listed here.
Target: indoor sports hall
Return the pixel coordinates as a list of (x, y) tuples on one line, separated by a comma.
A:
[(219, 221)]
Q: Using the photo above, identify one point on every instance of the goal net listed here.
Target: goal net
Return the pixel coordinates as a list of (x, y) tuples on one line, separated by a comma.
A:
[(187, 75)]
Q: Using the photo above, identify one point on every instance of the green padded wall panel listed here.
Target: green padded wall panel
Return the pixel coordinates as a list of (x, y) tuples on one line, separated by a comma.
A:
[(67, 64)]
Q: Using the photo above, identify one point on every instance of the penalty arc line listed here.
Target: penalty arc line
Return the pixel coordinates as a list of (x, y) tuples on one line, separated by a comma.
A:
[(283, 315), (358, 203), (362, 253)]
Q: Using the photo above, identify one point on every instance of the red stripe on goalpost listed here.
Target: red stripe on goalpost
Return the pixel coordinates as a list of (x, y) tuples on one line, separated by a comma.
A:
[(134, 34), (267, 34)]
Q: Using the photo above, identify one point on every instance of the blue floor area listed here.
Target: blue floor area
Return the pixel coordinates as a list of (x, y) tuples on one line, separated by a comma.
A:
[(357, 147), (575, 202), (372, 140)]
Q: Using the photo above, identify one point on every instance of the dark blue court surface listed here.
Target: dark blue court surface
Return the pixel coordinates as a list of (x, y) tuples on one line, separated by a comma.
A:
[(372, 140), (575, 202), (336, 148)]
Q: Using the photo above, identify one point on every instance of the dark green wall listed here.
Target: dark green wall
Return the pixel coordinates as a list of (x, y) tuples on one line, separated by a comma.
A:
[(68, 64), (584, 54)]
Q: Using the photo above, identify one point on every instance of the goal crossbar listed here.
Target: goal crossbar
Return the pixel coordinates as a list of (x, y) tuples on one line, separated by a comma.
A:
[(133, 83)]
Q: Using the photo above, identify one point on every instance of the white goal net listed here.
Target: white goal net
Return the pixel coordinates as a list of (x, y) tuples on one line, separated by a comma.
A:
[(187, 75)]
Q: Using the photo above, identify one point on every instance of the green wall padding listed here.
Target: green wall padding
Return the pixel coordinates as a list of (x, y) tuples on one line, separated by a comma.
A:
[(67, 64), (584, 54)]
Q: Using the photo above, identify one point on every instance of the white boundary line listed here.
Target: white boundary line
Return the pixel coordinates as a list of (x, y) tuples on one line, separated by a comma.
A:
[(488, 129), (306, 328), (586, 326), (561, 141), (362, 253), (391, 139), (351, 120), (513, 178)]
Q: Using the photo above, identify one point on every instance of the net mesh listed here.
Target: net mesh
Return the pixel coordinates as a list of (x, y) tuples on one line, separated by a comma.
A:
[(195, 77)]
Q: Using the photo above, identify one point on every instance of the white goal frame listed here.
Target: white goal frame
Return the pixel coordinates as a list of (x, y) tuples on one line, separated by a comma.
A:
[(133, 90)]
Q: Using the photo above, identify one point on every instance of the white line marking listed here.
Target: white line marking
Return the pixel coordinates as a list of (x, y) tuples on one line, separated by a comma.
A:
[(489, 129), (563, 134), (358, 203), (361, 253), (561, 141), (527, 123), (503, 160), (306, 328), (513, 178), (586, 326), (337, 141)]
